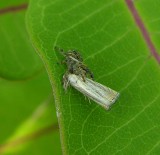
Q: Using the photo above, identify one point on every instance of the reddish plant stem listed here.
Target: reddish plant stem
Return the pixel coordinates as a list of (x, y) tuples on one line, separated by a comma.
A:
[(13, 9), (143, 29)]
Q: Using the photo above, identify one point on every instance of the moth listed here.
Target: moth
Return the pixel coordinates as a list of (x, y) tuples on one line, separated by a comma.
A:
[(97, 92), (79, 76)]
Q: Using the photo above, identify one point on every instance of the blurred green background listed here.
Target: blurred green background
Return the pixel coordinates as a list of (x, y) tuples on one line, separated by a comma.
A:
[(28, 123)]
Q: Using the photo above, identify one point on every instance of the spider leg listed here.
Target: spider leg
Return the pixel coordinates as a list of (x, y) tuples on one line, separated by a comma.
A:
[(87, 70), (65, 81)]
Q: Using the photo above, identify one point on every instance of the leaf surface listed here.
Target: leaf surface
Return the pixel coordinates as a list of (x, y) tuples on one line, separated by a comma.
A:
[(115, 50)]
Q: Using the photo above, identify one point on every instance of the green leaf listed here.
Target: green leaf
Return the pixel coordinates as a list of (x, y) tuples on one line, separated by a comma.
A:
[(18, 58), (116, 51)]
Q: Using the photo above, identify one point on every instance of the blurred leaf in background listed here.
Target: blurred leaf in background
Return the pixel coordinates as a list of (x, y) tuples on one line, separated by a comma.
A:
[(18, 59), (28, 123)]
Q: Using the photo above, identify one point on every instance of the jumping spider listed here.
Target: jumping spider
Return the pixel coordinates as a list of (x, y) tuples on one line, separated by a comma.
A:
[(75, 65)]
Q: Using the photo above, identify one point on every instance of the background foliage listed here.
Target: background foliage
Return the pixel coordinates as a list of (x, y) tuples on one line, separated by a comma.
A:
[(27, 113)]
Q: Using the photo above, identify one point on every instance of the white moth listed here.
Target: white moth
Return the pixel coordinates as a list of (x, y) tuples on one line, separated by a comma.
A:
[(99, 93)]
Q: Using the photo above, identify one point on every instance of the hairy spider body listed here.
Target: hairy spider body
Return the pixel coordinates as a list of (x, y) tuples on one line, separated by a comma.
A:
[(75, 65)]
